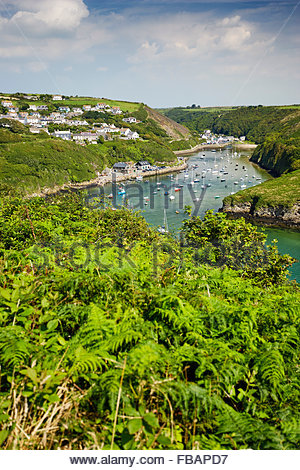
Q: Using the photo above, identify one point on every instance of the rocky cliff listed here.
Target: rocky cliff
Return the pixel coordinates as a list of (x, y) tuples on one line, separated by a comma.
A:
[(280, 216)]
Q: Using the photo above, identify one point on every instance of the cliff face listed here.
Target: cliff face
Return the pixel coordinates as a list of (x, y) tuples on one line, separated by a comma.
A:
[(277, 157), (173, 129), (280, 216)]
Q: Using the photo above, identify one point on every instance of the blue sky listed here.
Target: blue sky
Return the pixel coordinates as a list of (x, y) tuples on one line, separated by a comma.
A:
[(163, 53)]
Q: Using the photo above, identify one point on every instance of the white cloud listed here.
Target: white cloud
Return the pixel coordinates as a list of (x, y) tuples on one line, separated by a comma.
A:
[(188, 37), (50, 15)]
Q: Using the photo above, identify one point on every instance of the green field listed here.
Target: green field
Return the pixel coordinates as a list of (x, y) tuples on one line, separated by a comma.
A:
[(80, 101)]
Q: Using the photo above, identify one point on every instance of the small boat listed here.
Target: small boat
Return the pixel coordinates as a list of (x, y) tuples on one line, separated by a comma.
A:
[(176, 212), (186, 175), (177, 189), (243, 186), (110, 196), (217, 197), (122, 192), (166, 193), (236, 182), (139, 178), (196, 181), (222, 180), (209, 185), (171, 198), (164, 228)]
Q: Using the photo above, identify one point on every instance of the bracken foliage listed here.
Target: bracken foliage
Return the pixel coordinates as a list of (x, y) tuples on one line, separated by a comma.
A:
[(114, 337)]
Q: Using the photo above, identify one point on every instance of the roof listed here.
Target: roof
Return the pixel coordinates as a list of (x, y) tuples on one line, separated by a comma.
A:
[(120, 165), (143, 162)]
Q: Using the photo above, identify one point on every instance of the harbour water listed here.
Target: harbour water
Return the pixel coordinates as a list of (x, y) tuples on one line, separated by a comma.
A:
[(220, 172)]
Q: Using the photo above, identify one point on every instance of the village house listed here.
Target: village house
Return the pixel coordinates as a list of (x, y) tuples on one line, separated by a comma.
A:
[(130, 120), (57, 98), (127, 133), (116, 110), (32, 107), (27, 97), (87, 107), (89, 136), (42, 107), (29, 120), (64, 109), (7, 104), (143, 165), (121, 167), (77, 111), (65, 135)]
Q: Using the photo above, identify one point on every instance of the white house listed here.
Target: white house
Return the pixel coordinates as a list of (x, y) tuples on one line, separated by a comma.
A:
[(57, 98), (77, 111), (130, 120), (65, 135), (33, 107), (64, 109), (128, 133), (89, 136), (32, 120), (143, 165), (87, 107), (7, 104)]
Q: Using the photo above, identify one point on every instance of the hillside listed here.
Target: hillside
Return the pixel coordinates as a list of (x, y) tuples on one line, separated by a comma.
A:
[(30, 162), (274, 202), (173, 129)]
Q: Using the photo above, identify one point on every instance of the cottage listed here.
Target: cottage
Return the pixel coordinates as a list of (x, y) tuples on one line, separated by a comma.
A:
[(130, 120), (143, 165), (87, 107), (65, 135), (121, 167), (57, 98), (89, 136), (7, 104), (77, 111), (64, 109), (32, 120)]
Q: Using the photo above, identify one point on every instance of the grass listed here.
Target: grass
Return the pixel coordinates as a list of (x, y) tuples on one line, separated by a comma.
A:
[(283, 191)]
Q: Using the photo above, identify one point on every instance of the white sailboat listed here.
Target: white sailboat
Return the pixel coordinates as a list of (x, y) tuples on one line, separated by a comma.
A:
[(164, 228)]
